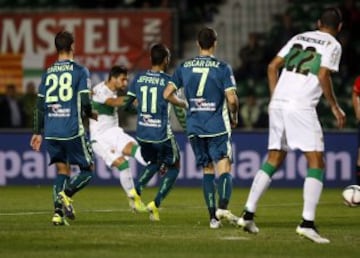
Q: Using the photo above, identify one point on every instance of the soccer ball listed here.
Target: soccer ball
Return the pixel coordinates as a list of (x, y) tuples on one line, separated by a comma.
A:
[(351, 195)]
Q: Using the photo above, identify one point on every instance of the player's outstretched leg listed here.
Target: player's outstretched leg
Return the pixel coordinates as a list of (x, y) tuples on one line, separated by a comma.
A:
[(136, 153), (135, 201)]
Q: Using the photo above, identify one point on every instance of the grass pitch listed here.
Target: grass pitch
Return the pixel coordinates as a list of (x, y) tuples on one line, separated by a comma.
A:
[(105, 227)]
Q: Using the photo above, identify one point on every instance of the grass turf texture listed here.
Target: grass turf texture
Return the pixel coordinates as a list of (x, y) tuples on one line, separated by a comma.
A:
[(105, 227)]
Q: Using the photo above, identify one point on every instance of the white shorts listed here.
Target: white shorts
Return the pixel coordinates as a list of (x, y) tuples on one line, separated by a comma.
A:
[(293, 128), (110, 144)]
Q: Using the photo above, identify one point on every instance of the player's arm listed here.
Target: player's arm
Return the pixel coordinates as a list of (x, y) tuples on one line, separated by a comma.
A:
[(86, 107), (326, 85), (233, 105), (169, 94), (130, 104), (273, 72), (85, 95), (115, 102), (38, 124)]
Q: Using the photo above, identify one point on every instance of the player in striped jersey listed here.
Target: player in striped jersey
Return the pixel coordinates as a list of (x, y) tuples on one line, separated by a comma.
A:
[(153, 132), (210, 91), (306, 62), (63, 99), (108, 139)]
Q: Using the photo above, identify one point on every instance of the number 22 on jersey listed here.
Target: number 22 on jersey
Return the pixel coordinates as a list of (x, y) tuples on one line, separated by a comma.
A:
[(302, 61)]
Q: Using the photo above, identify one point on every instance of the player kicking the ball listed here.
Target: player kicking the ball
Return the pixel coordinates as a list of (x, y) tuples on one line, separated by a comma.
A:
[(306, 62), (109, 141)]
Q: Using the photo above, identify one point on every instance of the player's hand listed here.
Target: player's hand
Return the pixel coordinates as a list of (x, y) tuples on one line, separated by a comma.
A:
[(234, 120), (36, 141), (339, 115), (94, 115)]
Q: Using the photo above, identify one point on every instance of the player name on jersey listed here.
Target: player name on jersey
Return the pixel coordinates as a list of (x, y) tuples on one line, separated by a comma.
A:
[(311, 40), (60, 68), (151, 80), (201, 63)]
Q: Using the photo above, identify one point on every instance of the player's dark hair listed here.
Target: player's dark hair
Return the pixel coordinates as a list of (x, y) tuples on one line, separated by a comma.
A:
[(116, 70), (206, 38), (158, 53), (331, 17), (63, 41)]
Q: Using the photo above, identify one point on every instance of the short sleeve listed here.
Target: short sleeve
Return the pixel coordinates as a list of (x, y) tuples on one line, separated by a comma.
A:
[(176, 79), (42, 88), (229, 78), (85, 82), (331, 57), (132, 87)]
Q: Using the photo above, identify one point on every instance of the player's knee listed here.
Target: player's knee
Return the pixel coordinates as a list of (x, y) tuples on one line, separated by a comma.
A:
[(119, 161), (176, 164), (164, 167)]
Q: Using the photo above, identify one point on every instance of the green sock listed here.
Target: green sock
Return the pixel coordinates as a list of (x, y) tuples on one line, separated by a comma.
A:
[(123, 166), (78, 182), (166, 184), (209, 193), (316, 173), (224, 190), (146, 175), (268, 169), (60, 183), (133, 150)]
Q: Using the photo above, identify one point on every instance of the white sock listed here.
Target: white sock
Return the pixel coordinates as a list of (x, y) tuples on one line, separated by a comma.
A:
[(260, 183), (311, 194), (139, 158), (126, 180)]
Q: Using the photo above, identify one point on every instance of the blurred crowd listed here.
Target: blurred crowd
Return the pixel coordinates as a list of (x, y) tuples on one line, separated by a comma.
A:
[(262, 47), (253, 56), (17, 109)]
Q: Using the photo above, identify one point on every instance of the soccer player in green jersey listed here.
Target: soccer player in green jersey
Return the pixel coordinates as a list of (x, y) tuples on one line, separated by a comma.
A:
[(306, 62)]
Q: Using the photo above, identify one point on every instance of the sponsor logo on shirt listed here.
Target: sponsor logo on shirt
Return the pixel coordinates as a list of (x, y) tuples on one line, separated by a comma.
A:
[(55, 110), (148, 121), (200, 104)]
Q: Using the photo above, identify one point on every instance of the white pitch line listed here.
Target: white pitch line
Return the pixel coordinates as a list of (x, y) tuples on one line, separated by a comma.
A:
[(25, 213), (29, 213), (234, 238)]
